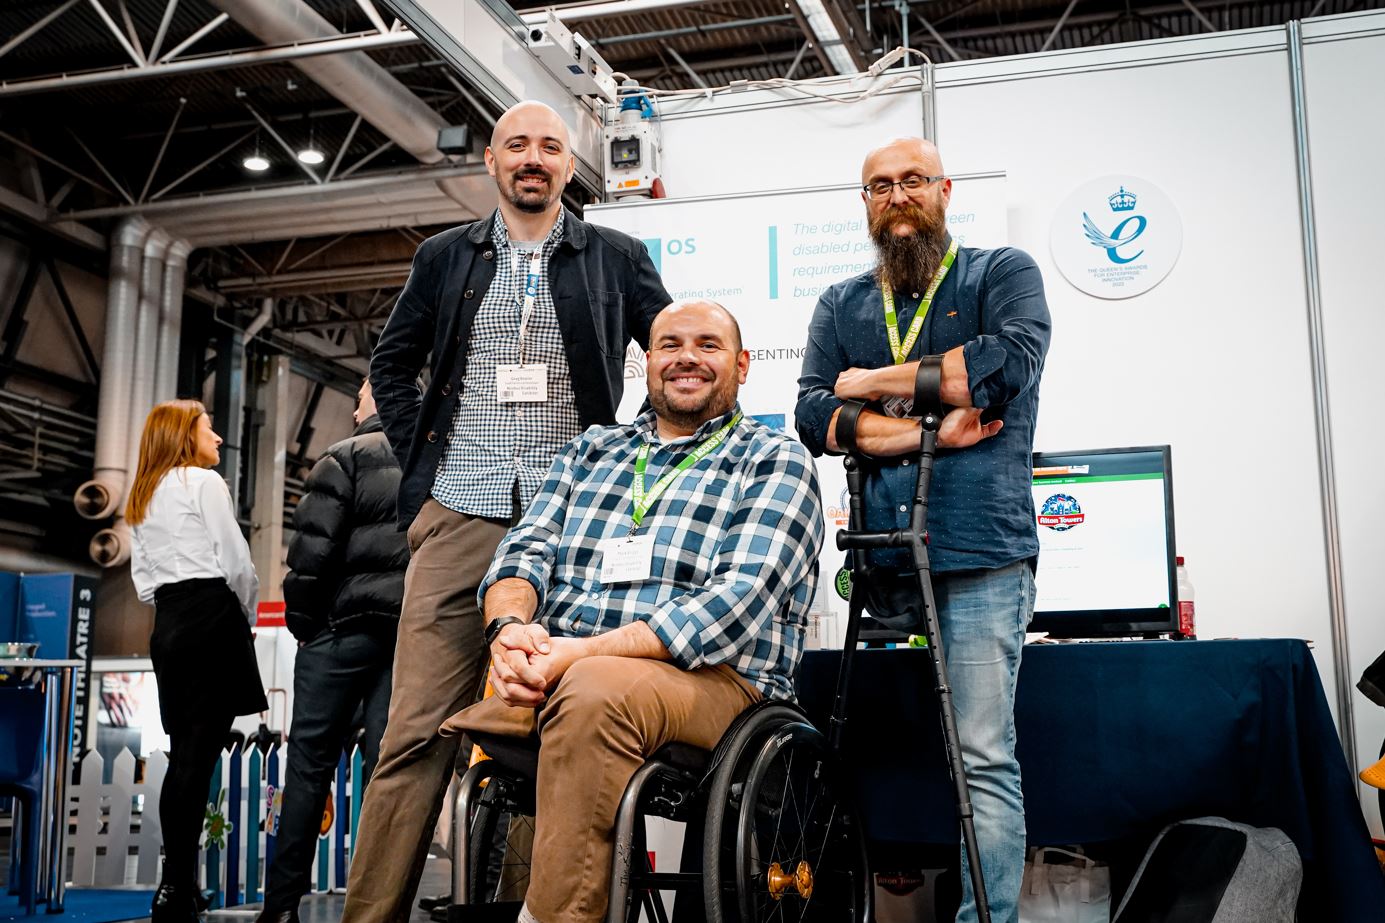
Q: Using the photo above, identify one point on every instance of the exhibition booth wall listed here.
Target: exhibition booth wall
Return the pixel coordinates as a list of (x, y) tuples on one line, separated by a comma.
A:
[(1250, 337)]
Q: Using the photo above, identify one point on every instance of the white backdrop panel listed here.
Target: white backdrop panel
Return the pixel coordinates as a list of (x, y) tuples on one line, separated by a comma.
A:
[(1347, 132), (1214, 359), (766, 258), (758, 140)]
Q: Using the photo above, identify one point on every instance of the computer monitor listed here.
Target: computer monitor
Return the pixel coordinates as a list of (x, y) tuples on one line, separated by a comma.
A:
[(1106, 543)]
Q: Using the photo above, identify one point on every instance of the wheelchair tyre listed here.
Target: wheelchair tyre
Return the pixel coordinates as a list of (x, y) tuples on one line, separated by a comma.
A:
[(494, 871), (776, 799)]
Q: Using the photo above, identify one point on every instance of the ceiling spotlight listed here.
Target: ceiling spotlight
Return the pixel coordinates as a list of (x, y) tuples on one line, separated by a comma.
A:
[(311, 156), (255, 163)]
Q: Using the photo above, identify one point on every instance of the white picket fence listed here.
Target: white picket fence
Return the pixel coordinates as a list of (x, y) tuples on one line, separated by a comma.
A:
[(116, 838)]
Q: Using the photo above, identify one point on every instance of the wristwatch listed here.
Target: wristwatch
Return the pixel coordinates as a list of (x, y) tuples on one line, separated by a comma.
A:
[(495, 626)]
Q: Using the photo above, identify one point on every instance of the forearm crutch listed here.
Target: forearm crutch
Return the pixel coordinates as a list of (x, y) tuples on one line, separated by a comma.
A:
[(929, 408)]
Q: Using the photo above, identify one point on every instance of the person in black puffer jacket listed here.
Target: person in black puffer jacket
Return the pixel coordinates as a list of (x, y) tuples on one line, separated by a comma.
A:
[(342, 596)]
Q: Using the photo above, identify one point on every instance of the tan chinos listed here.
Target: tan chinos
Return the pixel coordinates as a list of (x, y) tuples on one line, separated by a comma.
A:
[(438, 660), (606, 716)]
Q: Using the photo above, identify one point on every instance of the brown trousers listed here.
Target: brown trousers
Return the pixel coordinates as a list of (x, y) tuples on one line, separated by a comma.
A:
[(605, 717), (438, 660)]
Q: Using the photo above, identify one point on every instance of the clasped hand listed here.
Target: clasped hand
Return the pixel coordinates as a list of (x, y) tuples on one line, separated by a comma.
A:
[(526, 663)]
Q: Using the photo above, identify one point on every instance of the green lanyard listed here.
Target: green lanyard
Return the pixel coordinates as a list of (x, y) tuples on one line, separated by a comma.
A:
[(901, 350), (643, 502)]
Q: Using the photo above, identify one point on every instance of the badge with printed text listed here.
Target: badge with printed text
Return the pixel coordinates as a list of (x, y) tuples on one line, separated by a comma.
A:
[(626, 558), (521, 384)]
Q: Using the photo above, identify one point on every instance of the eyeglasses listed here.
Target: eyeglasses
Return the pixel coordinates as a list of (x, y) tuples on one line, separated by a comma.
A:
[(881, 188)]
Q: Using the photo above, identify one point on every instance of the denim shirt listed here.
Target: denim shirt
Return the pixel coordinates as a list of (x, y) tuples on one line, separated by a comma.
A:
[(981, 507)]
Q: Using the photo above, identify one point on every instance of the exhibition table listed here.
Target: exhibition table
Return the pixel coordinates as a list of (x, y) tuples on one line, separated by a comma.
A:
[(1117, 739), (57, 679)]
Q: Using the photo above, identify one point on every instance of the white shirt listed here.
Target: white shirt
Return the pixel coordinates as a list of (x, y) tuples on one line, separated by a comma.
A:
[(190, 531)]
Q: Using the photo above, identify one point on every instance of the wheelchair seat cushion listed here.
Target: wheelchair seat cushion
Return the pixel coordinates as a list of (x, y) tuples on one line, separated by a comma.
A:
[(520, 755)]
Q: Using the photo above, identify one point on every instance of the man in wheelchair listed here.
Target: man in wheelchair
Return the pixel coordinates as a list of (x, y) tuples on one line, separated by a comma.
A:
[(657, 587)]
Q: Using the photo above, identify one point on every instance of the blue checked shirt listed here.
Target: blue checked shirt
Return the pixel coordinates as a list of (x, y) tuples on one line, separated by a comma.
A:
[(493, 446), (736, 543)]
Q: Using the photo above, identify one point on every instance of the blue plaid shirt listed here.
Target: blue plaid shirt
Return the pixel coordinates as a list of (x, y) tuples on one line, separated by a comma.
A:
[(736, 543), (493, 446)]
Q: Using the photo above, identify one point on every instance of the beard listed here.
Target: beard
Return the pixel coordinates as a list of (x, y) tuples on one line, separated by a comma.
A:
[(692, 411), (532, 201), (907, 262)]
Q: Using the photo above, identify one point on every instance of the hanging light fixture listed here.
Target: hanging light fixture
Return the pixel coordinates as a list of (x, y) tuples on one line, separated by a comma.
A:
[(310, 155), (256, 163)]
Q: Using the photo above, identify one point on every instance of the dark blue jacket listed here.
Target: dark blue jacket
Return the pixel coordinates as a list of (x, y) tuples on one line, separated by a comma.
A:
[(981, 506), (605, 291)]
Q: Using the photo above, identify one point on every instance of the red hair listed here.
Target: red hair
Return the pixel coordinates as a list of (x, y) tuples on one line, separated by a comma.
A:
[(169, 441)]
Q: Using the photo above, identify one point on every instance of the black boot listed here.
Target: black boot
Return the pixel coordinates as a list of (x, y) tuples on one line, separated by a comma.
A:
[(173, 905), (270, 915)]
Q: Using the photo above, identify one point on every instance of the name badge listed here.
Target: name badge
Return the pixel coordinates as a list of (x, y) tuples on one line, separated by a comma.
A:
[(897, 407), (521, 384), (626, 559)]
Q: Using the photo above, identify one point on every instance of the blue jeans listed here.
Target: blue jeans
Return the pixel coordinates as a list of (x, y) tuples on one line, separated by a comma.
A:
[(984, 615)]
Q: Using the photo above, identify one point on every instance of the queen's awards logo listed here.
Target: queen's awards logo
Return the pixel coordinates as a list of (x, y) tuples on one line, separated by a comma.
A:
[(1060, 513), (1116, 237)]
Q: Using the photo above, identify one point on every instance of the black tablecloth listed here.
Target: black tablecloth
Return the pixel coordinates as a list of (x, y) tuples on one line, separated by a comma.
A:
[(1118, 739)]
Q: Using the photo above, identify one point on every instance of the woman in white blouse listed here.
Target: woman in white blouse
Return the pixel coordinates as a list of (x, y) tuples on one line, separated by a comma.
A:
[(190, 560)]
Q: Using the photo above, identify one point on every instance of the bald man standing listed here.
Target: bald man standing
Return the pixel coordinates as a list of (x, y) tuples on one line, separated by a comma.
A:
[(984, 312), (522, 319)]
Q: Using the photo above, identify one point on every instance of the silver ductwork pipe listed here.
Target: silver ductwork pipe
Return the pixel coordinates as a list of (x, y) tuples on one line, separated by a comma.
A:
[(171, 321), (111, 547), (354, 78), (260, 320), (99, 497), (146, 341)]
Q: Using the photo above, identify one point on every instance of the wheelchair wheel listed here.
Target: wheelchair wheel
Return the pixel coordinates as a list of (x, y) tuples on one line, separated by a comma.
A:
[(782, 842), (501, 840)]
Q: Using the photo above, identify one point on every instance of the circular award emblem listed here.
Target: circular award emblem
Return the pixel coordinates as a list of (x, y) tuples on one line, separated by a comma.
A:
[(1116, 237)]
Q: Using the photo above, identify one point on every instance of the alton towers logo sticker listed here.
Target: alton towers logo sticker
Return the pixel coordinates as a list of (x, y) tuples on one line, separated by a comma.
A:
[(1060, 513), (1116, 236)]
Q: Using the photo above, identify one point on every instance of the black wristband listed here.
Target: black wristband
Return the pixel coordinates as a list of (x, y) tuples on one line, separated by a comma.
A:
[(928, 387), (495, 626), (845, 430)]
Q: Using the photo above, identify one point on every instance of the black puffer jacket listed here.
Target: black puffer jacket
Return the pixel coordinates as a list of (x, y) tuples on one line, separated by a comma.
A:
[(346, 564)]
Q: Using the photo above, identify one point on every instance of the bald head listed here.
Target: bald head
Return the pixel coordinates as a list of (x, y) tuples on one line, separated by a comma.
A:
[(527, 117), (711, 314), (916, 152)]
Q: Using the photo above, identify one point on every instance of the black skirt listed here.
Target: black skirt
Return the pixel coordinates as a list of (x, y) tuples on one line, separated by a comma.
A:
[(204, 655)]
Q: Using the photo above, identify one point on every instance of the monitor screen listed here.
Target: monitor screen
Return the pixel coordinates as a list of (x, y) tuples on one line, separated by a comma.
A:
[(1106, 542)]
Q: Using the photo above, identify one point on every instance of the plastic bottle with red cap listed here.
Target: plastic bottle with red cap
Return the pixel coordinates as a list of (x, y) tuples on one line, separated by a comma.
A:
[(1187, 623)]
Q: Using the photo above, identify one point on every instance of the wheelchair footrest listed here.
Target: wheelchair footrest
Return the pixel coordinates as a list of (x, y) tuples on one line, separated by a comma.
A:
[(501, 912)]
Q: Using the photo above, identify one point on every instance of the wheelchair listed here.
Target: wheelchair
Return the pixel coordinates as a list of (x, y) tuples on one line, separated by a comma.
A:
[(769, 832)]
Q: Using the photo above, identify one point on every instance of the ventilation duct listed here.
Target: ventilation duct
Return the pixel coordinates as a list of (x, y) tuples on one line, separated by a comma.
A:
[(111, 547), (171, 321), (99, 497)]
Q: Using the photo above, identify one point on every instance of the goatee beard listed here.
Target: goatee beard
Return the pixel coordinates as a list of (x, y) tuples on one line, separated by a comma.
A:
[(907, 262)]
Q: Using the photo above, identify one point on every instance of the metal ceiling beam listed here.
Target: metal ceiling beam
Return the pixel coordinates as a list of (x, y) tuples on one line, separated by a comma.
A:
[(286, 52), (367, 276), (379, 183), (37, 27), (1048, 42), (577, 12)]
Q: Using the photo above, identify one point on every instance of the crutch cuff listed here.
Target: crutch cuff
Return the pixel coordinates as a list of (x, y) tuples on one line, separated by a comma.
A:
[(928, 387), (845, 428)]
